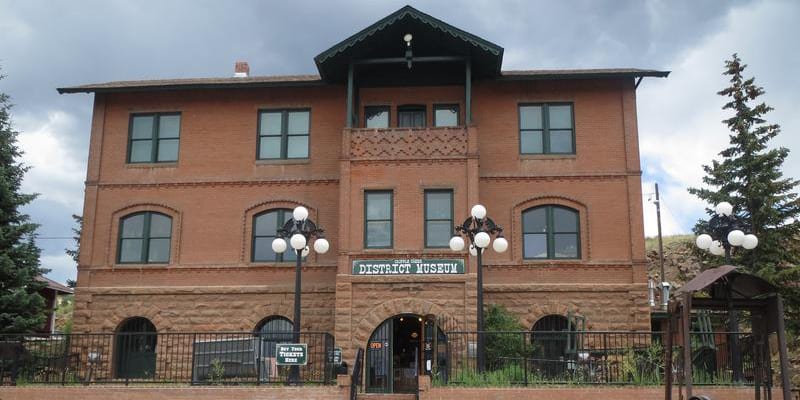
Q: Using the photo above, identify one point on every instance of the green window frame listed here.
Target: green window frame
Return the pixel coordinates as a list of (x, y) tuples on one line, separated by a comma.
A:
[(374, 219), (265, 230), (144, 238), (446, 107), (153, 137), (288, 137), (438, 218), (546, 128), (551, 232), (374, 110)]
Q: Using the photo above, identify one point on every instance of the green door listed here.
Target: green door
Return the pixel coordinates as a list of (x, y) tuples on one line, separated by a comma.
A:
[(136, 349)]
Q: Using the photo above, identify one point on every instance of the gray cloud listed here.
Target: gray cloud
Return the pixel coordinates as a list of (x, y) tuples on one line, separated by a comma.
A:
[(48, 44)]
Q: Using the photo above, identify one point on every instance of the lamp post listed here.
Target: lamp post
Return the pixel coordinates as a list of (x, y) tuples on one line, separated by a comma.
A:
[(300, 230), (725, 233), (479, 229)]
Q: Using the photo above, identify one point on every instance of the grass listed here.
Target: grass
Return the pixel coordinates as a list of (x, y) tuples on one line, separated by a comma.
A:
[(651, 243)]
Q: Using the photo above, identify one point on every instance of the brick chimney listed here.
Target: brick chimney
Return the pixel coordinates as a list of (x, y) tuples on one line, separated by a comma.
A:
[(242, 69)]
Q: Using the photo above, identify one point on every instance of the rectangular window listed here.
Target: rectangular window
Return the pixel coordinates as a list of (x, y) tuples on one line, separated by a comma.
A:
[(411, 117), (154, 137), (445, 115), (438, 218), (546, 128), (283, 134), (378, 219), (376, 117)]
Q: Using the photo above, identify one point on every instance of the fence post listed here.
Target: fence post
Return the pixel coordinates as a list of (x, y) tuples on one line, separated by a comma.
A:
[(525, 367), (65, 357), (194, 343), (258, 358)]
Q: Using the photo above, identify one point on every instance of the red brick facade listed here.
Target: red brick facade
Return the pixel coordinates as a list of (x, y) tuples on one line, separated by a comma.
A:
[(217, 185)]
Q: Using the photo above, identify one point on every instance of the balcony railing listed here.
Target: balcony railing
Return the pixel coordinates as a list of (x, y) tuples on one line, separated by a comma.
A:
[(133, 358), (405, 143)]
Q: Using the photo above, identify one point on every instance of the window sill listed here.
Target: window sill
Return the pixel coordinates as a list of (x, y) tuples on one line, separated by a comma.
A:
[(140, 266), (552, 261), (152, 165), (525, 157), (290, 161), (277, 264)]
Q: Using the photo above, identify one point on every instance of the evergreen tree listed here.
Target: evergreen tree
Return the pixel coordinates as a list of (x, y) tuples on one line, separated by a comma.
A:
[(75, 253), (749, 177), (21, 307)]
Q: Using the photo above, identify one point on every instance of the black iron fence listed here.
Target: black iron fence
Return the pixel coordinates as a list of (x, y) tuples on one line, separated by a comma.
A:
[(228, 358), (587, 357)]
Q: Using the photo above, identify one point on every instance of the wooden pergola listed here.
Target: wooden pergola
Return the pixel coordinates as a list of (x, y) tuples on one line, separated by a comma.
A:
[(728, 290)]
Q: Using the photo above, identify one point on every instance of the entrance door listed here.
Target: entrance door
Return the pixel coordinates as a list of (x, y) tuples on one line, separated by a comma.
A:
[(407, 336), (399, 350)]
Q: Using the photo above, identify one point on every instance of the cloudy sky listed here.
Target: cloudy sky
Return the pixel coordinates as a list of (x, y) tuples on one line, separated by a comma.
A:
[(49, 44)]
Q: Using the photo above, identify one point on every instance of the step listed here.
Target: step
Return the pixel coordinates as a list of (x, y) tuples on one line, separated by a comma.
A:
[(387, 396)]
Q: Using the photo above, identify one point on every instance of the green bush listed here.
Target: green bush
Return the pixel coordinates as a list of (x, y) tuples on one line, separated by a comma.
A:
[(504, 348)]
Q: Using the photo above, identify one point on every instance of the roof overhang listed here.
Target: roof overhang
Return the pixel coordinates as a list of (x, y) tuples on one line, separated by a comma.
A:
[(196, 83), (741, 285), (607, 73), (431, 38)]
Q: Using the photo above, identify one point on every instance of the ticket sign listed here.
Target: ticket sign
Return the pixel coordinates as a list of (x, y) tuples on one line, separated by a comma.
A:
[(408, 267), (291, 353)]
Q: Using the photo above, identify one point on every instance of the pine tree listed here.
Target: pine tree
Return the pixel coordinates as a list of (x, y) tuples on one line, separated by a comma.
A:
[(749, 177), (21, 307), (75, 253)]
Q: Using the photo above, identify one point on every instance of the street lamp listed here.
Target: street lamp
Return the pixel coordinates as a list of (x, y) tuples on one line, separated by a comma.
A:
[(726, 228), (479, 229), (725, 234), (300, 230)]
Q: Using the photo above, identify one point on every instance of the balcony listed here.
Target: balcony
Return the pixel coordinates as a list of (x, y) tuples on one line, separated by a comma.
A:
[(409, 144)]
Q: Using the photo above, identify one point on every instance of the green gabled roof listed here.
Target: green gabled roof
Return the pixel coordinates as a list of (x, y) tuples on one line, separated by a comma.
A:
[(408, 12)]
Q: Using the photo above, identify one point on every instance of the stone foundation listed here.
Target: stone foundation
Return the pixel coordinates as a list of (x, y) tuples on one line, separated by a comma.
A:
[(200, 309)]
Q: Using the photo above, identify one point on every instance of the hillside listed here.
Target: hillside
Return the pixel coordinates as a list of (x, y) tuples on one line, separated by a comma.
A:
[(680, 261)]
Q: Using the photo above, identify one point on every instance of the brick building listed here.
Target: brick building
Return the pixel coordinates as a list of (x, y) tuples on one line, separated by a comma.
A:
[(410, 123)]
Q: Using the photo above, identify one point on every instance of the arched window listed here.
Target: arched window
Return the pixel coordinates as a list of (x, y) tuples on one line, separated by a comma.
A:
[(265, 230), (551, 232), (135, 349), (552, 339), (144, 238)]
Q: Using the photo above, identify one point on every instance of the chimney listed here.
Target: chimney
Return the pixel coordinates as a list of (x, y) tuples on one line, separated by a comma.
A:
[(242, 70)]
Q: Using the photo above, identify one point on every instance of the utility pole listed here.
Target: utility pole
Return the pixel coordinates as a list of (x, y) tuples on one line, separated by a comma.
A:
[(660, 240)]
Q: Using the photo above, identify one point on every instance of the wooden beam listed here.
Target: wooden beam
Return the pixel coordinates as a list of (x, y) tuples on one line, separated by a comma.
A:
[(786, 383), (349, 120), (468, 92), (686, 325), (403, 60), (720, 304), (668, 359)]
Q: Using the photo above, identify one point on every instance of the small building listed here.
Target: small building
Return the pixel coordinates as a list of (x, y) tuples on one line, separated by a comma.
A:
[(410, 122), (52, 293)]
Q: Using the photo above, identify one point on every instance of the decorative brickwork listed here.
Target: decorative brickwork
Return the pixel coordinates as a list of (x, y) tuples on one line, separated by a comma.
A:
[(399, 143)]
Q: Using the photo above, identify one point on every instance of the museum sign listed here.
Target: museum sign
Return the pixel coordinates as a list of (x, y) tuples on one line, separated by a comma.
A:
[(412, 266)]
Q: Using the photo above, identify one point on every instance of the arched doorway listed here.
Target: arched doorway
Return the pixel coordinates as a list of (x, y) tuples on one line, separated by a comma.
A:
[(135, 349), (551, 344), (271, 331), (401, 348)]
